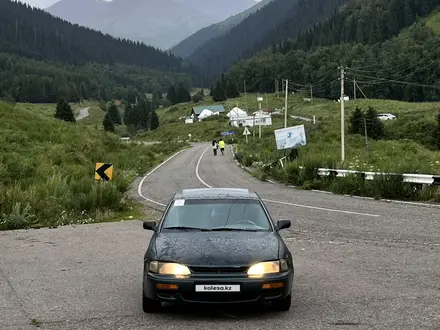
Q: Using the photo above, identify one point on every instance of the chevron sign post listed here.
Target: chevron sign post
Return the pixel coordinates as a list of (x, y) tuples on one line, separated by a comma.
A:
[(103, 172)]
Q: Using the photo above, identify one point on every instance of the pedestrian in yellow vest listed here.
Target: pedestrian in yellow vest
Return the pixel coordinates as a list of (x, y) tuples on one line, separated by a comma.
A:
[(222, 146)]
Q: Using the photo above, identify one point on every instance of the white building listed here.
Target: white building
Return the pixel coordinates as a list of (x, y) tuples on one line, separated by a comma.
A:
[(207, 113), (265, 119), (236, 113)]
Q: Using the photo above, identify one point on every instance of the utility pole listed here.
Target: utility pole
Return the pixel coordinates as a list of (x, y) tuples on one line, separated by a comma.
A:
[(342, 115), (311, 92), (259, 99), (245, 95), (354, 88), (366, 134), (253, 129), (285, 103), (277, 87)]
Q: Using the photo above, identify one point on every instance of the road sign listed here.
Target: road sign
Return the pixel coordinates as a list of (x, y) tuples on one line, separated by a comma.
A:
[(227, 133), (103, 171), (246, 132)]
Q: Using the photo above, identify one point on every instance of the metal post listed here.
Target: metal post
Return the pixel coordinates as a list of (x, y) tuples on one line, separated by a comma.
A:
[(259, 122), (342, 116), (285, 104)]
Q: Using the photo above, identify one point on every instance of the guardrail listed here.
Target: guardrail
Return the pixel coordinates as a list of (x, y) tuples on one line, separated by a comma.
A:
[(427, 179), (424, 179)]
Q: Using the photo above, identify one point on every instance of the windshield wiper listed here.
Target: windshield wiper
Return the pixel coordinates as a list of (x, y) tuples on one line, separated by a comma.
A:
[(187, 228), (231, 229)]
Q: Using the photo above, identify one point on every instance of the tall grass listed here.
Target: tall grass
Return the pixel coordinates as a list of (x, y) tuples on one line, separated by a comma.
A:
[(47, 170), (410, 155)]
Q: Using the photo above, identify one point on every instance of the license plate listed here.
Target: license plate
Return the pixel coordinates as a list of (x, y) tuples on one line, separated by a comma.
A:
[(217, 288)]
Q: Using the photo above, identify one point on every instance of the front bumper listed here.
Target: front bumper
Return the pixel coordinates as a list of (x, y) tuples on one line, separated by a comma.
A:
[(251, 290)]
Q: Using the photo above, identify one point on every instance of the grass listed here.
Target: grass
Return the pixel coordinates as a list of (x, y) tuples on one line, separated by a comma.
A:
[(47, 169), (433, 21), (407, 147)]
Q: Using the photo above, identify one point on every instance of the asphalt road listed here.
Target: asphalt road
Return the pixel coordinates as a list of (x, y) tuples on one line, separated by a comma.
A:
[(360, 264)]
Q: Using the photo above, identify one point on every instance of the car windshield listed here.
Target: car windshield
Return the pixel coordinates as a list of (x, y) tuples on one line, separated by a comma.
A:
[(217, 215)]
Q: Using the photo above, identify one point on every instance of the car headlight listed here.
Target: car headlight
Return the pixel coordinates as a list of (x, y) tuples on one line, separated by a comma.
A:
[(168, 268), (267, 267)]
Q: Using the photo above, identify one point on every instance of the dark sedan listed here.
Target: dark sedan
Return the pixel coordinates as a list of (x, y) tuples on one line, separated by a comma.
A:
[(217, 246)]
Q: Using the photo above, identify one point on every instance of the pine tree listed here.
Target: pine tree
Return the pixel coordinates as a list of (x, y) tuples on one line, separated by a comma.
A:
[(154, 120), (231, 90), (155, 100), (183, 94), (127, 114), (223, 81), (219, 93), (108, 123), (143, 113), (102, 105), (172, 95), (375, 129), (114, 114), (437, 133), (64, 111), (357, 122)]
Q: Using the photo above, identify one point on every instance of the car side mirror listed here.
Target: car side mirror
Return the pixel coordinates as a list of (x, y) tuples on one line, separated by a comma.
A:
[(283, 224), (150, 225)]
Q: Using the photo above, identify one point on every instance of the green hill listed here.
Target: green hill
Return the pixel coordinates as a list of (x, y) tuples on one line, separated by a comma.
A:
[(47, 169), (407, 145)]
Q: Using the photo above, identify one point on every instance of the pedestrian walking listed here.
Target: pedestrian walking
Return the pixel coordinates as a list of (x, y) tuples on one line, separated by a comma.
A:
[(214, 147), (222, 146)]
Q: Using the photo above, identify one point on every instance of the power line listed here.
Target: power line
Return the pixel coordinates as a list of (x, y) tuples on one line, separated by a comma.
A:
[(402, 82)]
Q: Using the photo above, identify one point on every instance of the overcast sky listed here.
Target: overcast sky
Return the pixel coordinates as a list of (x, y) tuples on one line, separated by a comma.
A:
[(40, 3)]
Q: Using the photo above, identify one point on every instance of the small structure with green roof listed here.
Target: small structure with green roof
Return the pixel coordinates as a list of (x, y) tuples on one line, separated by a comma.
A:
[(196, 111)]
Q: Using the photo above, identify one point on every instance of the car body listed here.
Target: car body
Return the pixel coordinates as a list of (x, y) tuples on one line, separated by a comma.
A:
[(386, 116), (194, 256)]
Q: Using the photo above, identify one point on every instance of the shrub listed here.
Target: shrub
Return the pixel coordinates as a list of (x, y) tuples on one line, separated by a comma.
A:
[(47, 169)]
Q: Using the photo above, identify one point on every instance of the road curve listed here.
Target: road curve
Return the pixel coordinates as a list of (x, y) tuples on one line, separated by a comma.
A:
[(359, 261), (360, 264)]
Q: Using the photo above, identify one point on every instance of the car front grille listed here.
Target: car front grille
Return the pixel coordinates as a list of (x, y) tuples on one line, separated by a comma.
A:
[(218, 270)]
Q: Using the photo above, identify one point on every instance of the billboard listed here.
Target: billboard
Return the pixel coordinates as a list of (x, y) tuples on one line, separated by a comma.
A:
[(290, 137)]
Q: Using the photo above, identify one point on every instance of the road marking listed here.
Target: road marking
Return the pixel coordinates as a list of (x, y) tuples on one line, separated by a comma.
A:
[(149, 173), (321, 208), (284, 203), (197, 168)]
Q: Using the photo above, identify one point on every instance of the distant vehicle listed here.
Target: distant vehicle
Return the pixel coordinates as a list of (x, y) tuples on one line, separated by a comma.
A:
[(386, 116), (217, 246)]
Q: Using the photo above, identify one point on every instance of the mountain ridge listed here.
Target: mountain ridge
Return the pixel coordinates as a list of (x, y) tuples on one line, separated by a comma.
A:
[(188, 45), (145, 21)]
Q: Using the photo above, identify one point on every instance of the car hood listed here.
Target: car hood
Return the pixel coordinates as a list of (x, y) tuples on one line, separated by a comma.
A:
[(219, 249)]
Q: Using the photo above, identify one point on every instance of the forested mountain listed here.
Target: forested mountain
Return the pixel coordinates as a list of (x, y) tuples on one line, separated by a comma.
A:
[(363, 38), (187, 46), (43, 58), (160, 23), (34, 33), (273, 23)]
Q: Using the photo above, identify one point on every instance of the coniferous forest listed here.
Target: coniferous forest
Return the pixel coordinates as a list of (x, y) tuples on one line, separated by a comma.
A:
[(385, 45), (43, 58)]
